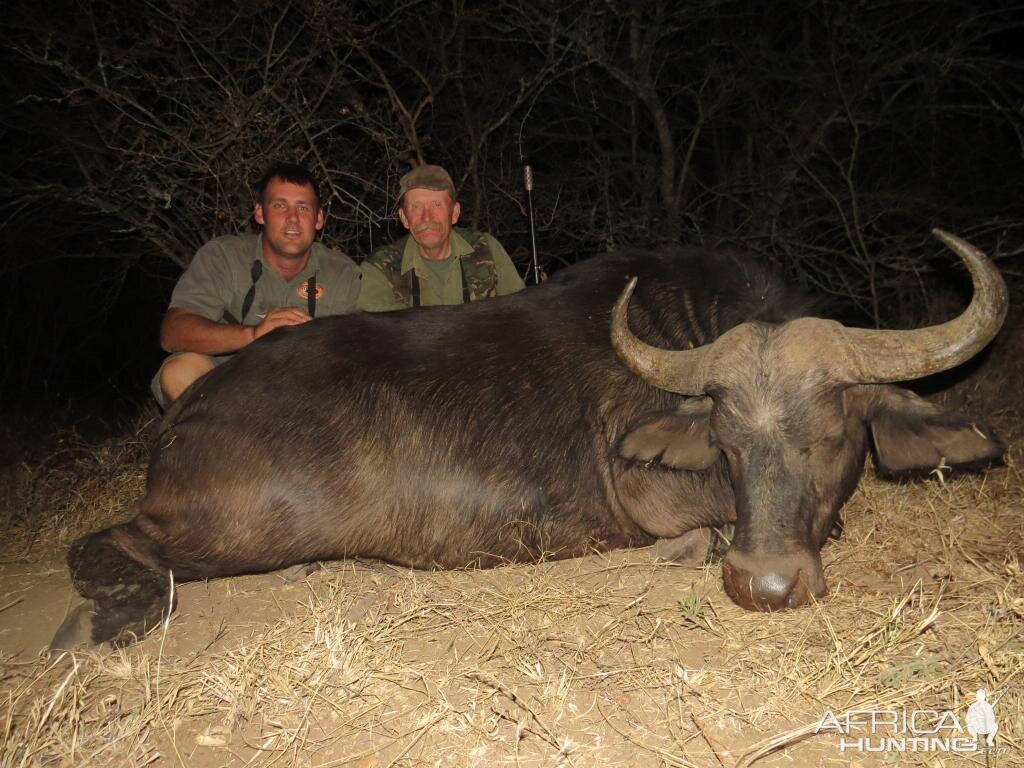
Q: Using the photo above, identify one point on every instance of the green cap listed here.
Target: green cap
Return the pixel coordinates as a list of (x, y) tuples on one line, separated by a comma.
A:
[(427, 177)]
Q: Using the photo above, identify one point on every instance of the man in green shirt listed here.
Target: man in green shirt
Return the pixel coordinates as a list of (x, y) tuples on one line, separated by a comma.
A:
[(241, 287), (435, 263)]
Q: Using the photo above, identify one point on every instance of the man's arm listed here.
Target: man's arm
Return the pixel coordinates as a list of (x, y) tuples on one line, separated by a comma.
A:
[(186, 331), (509, 280), (376, 293)]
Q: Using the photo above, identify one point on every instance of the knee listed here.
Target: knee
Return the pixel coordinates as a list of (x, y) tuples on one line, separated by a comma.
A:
[(179, 372)]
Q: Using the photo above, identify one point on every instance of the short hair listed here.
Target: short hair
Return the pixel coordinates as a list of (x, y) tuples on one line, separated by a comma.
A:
[(291, 173)]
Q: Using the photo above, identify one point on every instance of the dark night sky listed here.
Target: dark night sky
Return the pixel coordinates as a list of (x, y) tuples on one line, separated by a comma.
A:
[(801, 133)]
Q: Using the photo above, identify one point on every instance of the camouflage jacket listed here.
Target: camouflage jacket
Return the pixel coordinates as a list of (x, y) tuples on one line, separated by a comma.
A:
[(485, 270)]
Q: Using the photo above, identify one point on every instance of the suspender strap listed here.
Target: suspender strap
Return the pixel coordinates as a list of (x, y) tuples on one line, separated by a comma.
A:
[(465, 285), (254, 273), (311, 295), (257, 270), (414, 286)]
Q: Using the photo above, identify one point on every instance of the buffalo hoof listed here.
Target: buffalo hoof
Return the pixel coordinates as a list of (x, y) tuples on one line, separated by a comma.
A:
[(697, 547), (76, 631), (773, 582), (296, 573), (127, 598)]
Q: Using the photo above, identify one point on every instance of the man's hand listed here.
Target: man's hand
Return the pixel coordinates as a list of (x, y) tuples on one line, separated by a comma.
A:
[(276, 318)]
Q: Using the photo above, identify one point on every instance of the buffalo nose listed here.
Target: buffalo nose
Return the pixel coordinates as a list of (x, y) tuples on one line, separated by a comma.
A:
[(772, 582)]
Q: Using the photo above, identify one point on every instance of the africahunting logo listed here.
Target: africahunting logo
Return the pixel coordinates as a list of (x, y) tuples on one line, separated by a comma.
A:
[(917, 730)]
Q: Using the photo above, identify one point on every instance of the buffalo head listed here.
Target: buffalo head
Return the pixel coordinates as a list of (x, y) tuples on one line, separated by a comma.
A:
[(791, 408)]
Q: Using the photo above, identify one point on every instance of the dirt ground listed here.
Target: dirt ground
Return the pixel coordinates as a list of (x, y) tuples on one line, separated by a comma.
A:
[(608, 660)]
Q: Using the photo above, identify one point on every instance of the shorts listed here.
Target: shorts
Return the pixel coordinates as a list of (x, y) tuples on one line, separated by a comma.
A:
[(154, 384)]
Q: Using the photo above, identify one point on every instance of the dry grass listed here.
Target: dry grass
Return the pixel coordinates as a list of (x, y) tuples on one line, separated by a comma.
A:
[(609, 660), (74, 488)]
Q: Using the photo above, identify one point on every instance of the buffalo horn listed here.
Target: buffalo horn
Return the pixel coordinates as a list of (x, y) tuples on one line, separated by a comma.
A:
[(674, 371), (874, 356)]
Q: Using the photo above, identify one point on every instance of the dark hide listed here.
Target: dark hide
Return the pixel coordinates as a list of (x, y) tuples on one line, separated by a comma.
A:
[(505, 430)]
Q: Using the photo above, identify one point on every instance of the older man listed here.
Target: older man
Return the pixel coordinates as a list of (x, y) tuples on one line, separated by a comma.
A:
[(241, 287), (435, 263)]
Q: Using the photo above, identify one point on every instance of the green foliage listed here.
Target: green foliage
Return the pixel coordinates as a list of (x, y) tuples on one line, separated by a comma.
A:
[(692, 608)]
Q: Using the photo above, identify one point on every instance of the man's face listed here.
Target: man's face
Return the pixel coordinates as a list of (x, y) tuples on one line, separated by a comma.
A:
[(429, 214), (290, 217)]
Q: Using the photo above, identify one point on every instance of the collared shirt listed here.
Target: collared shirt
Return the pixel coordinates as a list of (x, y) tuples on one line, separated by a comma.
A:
[(215, 283), (440, 281)]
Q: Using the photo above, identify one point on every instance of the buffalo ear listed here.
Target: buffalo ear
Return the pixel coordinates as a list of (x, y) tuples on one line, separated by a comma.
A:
[(913, 437), (677, 439)]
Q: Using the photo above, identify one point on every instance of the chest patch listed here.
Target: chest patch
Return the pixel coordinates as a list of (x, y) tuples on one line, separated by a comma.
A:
[(303, 290)]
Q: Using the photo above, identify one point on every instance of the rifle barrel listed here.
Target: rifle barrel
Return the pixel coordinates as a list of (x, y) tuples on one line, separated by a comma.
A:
[(528, 184)]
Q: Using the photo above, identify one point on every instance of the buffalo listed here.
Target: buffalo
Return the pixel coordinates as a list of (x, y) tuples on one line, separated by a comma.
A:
[(513, 430)]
